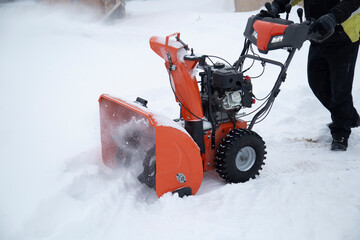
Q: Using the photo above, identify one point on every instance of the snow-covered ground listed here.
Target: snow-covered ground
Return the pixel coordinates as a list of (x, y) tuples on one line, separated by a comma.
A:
[(54, 64)]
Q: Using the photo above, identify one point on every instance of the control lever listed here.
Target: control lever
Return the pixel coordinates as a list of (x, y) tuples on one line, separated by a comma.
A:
[(182, 43), (300, 13), (288, 10), (268, 6)]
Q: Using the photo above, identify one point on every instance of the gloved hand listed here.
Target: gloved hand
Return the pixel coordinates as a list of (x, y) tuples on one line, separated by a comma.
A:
[(325, 25), (272, 11)]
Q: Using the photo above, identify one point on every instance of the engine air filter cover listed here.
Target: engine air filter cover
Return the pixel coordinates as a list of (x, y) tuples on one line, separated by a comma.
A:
[(226, 78)]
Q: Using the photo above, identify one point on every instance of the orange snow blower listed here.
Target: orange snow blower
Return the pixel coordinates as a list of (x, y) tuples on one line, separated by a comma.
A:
[(171, 155)]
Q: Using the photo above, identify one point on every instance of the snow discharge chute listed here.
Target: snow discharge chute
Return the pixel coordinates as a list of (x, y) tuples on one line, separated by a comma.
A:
[(158, 151)]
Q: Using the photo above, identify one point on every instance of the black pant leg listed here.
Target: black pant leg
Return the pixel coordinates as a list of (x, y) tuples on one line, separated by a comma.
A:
[(331, 73), (342, 64), (319, 75)]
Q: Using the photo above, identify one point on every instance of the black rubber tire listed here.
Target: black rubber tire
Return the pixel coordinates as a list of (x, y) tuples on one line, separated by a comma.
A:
[(231, 150)]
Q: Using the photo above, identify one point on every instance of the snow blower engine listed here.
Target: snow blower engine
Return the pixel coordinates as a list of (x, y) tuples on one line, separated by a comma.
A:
[(172, 155)]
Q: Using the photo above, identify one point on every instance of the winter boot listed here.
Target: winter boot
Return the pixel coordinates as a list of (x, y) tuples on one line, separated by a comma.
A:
[(339, 144)]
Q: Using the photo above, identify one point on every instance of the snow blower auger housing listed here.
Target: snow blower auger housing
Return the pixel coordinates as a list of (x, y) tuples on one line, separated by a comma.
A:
[(171, 155)]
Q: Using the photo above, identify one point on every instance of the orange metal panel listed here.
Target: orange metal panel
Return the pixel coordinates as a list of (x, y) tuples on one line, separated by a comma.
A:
[(265, 31), (176, 153)]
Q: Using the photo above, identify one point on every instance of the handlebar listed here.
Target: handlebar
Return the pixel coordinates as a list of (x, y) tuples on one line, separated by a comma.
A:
[(312, 36)]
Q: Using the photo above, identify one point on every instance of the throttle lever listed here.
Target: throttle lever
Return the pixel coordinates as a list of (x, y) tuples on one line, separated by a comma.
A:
[(288, 10), (300, 13)]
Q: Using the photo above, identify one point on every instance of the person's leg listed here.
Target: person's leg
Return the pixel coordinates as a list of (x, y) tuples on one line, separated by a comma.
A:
[(342, 61), (330, 76), (319, 75)]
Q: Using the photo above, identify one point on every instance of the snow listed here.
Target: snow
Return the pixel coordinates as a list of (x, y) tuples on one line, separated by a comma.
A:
[(167, 122), (55, 63)]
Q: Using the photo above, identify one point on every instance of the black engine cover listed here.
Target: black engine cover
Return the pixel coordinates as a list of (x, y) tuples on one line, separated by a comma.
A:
[(226, 78)]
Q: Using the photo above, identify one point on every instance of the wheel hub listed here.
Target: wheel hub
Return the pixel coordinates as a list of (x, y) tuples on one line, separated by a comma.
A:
[(245, 158)]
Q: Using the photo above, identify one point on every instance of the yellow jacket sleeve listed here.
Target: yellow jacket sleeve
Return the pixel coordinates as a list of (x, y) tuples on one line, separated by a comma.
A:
[(294, 2), (352, 26)]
